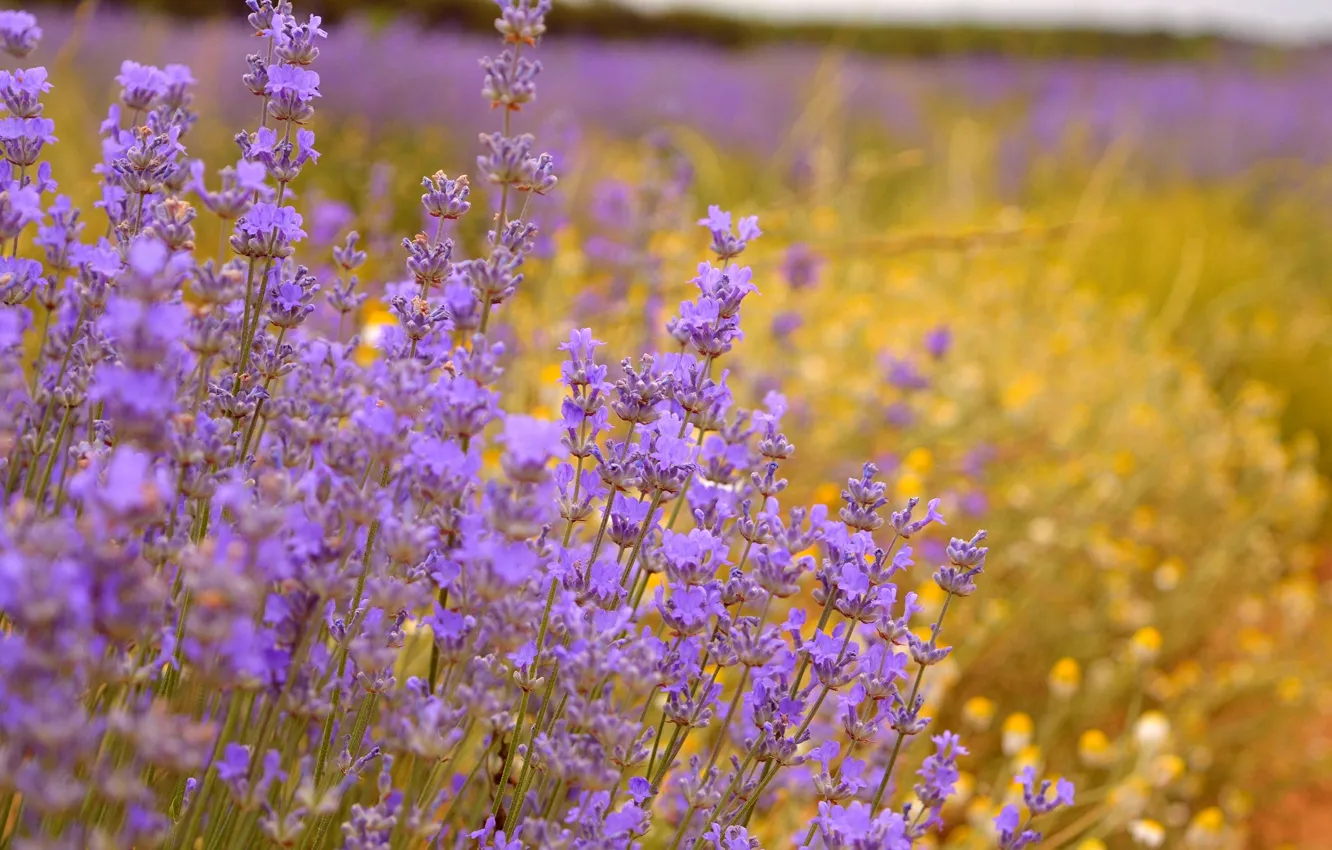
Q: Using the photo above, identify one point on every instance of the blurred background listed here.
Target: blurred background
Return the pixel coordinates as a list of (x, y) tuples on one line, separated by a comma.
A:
[(1064, 264)]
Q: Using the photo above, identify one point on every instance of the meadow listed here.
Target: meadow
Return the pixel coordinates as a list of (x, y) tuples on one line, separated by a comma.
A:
[(1082, 302)]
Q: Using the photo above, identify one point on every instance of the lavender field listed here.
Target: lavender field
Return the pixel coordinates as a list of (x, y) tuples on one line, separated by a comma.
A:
[(404, 450)]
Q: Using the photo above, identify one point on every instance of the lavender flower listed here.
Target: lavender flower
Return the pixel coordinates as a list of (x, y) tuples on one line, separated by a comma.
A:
[(725, 243), (140, 85), (258, 587), (21, 91), (19, 32)]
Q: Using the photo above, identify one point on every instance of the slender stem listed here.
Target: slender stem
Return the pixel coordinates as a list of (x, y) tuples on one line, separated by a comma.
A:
[(255, 316), (222, 241), (529, 771), (742, 814), (684, 824), (656, 742), (684, 491), (245, 317), (326, 737), (556, 795), (666, 757), (501, 219), (259, 406), (725, 798), (901, 736), (443, 598), (462, 791), (578, 481), (13, 251), (642, 535), (4, 818), (522, 707), (37, 364), (195, 810), (508, 755), (40, 493), (726, 724)]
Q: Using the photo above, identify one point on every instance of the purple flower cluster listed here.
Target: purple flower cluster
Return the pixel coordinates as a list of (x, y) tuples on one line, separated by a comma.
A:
[(254, 590)]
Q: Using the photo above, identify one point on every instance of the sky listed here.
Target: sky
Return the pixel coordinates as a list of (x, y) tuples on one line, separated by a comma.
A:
[(1266, 19)]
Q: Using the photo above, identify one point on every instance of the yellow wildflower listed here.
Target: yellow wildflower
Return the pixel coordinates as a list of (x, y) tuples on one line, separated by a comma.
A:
[(1095, 749), (1065, 677), (1016, 733), (978, 713)]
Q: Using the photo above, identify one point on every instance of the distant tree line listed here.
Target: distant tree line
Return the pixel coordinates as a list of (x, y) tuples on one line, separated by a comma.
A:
[(609, 20)]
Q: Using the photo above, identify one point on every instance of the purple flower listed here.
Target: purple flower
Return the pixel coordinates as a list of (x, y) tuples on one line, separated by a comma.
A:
[(725, 243), (855, 826), (1036, 793), (299, 82), (689, 609), (296, 43), (140, 85), (291, 88), (291, 301), (530, 445), (22, 139), (19, 33), (445, 198), (801, 266), (939, 775), (903, 523), (510, 80), (178, 80), (13, 325), (147, 256), (522, 20), (787, 323), (1011, 835), (966, 560), (21, 91), (490, 838), (269, 221), (693, 558), (18, 277), (903, 374), (234, 764), (217, 500), (938, 341)]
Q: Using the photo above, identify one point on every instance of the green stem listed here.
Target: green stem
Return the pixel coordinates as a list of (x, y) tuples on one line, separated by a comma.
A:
[(529, 771), (462, 791), (656, 743), (326, 737), (508, 756), (196, 807), (37, 369), (901, 736), (725, 798), (522, 710), (745, 811), (256, 315), (363, 716), (40, 493), (259, 406), (642, 535), (610, 500), (46, 411), (434, 647), (726, 724)]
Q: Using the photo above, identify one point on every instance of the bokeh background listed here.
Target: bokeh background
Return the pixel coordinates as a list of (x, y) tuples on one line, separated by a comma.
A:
[(1069, 273)]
